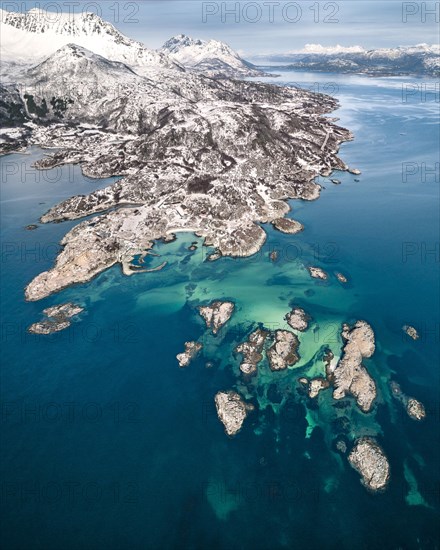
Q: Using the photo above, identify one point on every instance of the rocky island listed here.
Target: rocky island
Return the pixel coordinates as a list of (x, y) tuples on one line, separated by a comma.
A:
[(217, 314), (191, 351), (350, 376), (341, 278), (316, 385), (57, 318), (232, 411), (283, 352), (414, 408), (411, 332), (368, 458), (252, 351), (298, 319), (318, 273)]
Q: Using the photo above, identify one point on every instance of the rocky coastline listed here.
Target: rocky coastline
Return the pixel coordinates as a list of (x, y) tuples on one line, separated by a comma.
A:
[(221, 136)]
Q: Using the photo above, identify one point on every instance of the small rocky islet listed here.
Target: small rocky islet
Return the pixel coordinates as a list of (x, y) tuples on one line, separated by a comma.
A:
[(57, 318), (411, 332), (217, 314), (368, 458), (232, 410), (413, 407), (191, 351)]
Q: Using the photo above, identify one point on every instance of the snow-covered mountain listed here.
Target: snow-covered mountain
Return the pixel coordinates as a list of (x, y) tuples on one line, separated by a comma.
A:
[(211, 57), (421, 59), (29, 38)]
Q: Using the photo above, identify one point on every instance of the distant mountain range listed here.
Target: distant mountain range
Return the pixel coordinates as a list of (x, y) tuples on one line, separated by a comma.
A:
[(422, 59), (29, 38)]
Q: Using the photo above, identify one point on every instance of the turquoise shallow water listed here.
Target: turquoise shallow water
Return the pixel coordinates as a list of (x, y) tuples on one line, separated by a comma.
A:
[(108, 444)]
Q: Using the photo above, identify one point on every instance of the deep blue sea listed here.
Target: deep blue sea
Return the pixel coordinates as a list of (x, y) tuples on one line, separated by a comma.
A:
[(106, 443)]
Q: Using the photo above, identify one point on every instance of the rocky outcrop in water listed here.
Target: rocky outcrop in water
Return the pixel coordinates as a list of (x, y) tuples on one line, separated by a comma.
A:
[(350, 376), (284, 350), (411, 332), (368, 458), (191, 351), (341, 278), (217, 314), (232, 411), (298, 319), (57, 319), (318, 273), (316, 385), (252, 351), (414, 408)]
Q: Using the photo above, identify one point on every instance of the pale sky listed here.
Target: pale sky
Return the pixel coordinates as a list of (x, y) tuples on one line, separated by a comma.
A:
[(264, 26)]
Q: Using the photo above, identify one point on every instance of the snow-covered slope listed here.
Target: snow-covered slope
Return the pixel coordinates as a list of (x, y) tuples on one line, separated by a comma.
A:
[(211, 57), (28, 38)]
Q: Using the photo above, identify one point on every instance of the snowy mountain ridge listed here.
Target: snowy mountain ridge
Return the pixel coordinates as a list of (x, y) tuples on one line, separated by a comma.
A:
[(208, 55), (30, 37)]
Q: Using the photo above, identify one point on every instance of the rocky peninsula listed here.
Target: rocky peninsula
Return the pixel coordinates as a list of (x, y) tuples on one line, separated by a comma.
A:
[(287, 225)]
